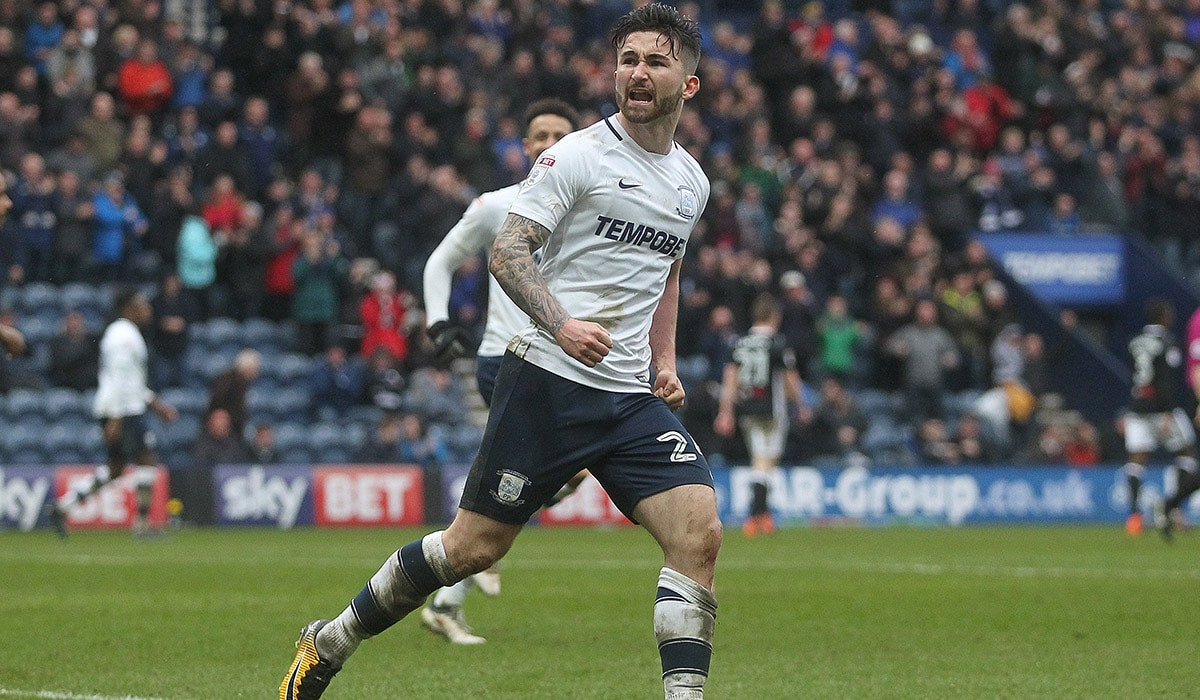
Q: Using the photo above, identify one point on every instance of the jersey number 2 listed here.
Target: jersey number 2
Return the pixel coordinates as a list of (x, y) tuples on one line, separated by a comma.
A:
[(681, 443)]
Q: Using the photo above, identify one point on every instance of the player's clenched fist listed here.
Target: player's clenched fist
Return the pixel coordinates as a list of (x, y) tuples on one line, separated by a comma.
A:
[(585, 341)]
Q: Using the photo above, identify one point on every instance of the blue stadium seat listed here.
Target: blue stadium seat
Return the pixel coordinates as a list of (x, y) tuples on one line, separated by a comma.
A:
[(333, 454), (84, 297), (66, 455), (260, 334), (32, 455), (40, 328), (322, 436), (187, 400), (60, 440), (292, 367), (59, 403), (295, 455), (289, 436), (292, 404), (24, 435), (22, 404), (215, 363), (224, 335), (259, 402), (180, 434), (874, 403), (39, 296)]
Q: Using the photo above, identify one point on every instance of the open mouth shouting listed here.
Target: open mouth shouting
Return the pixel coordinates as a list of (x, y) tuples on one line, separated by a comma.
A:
[(640, 96)]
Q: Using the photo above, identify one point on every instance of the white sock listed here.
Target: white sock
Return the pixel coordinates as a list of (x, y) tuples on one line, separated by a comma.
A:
[(400, 586), (453, 596), (99, 477), (685, 614)]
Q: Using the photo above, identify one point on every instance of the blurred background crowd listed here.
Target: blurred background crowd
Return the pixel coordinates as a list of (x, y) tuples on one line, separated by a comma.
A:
[(275, 173)]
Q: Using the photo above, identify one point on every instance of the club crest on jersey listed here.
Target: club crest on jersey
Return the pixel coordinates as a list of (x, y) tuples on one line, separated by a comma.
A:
[(509, 489), (535, 176), (688, 202)]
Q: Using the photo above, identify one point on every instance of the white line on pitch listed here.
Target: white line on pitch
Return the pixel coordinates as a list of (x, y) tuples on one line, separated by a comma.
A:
[(55, 695)]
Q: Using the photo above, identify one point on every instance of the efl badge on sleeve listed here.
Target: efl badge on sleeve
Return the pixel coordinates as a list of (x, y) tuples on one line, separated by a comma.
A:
[(688, 202)]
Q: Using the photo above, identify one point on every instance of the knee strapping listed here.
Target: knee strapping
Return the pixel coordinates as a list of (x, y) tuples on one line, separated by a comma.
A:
[(685, 615)]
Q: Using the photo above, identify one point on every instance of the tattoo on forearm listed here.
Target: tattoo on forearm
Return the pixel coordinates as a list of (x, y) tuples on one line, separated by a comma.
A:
[(514, 268)]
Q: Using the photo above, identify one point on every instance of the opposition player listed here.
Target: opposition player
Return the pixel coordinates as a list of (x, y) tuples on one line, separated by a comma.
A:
[(612, 208), (546, 121), (759, 384), (1154, 418), (122, 398)]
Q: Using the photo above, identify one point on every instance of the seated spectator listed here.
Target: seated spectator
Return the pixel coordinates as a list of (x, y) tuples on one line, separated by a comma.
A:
[(385, 382), (383, 445), (262, 445), (228, 390), (336, 382), (934, 444), (439, 396), (417, 445), (74, 355), (973, 445), (174, 313), (1083, 447), (836, 425), (218, 444), (383, 313)]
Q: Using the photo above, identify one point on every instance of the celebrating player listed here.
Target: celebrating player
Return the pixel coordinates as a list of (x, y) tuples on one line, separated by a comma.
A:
[(122, 398), (612, 208), (761, 380), (546, 121), (1153, 417)]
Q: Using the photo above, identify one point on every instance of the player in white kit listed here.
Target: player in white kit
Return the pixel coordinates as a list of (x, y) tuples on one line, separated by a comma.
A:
[(592, 382), (546, 121)]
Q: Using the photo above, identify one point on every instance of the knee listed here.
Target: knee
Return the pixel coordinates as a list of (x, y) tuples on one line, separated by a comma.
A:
[(700, 545), (470, 553)]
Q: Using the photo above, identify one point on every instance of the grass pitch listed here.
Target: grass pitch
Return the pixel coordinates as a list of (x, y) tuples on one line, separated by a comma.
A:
[(808, 613)]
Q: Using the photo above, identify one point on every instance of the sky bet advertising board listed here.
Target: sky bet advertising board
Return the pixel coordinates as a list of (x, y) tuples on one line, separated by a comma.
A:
[(285, 496), (24, 492), (1085, 270)]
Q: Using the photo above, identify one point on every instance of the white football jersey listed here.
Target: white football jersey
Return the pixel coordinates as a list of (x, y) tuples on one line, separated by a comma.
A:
[(122, 389), (475, 231), (619, 217)]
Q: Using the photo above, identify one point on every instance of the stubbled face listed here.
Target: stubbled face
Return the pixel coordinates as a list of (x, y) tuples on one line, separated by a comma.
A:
[(544, 131), (651, 80)]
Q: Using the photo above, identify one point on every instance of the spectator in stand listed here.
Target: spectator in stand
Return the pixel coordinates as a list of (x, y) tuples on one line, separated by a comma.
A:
[(962, 314), (417, 444), (260, 142), (835, 426), (385, 382), (369, 161), (36, 218), (839, 336), (382, 312), (318, 272), (223, 156), (43, 34), (336, 382), (897, 202), (218, 443), (103, 132), (228, 390), (927, 353), (439, 395), (74, 211), (262, 445), (241, 262), (174, 313), (284, 235), (973, 445), (934, 444), (196, 254), (74, 355), (119, 226), (383, 445), (144, 82)]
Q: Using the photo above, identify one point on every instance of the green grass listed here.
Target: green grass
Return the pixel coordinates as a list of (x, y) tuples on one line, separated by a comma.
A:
[(809, 613)]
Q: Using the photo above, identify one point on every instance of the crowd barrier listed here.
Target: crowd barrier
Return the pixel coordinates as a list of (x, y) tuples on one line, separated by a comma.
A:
[(387, 495)]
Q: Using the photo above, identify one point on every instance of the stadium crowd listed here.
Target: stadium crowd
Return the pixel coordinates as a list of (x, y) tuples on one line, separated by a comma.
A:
[(298, 161)]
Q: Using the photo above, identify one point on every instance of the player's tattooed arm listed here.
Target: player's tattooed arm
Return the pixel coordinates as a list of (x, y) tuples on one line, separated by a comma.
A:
[(514, 268)]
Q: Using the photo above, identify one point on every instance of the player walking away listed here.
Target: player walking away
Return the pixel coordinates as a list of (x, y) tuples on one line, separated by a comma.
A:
[(761, 380), (546, 121), (1154, 419), (612, 208), (122, 398)]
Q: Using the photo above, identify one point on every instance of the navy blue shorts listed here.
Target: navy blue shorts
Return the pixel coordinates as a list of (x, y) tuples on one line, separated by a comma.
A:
[(134, 439), (486, 369), (543, 429)]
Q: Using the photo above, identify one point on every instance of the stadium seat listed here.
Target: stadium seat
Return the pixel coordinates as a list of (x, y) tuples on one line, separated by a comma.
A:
[(215, 363), (40, 296), (186, 400), (323, 436), (261, 403), (24, 435), (59, 403), (291, 367), (333, 454), (874, 403), (60, 440), (83, 297), (39, 328), (295, 455), (289, 436), (182, 433), (260, 334), (292, 404), (32, 455), (23, 404), (224, 335)]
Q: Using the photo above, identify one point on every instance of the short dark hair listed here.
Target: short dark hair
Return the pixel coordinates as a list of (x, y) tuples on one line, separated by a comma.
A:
[(682, 32), (551, 105), (1159, 311), (764, 308)]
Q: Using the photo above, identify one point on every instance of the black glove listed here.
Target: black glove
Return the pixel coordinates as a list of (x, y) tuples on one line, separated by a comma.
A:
[(449, 341)]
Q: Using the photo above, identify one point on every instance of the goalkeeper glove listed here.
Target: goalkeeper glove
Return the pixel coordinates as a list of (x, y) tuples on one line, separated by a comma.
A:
[(449, 341)]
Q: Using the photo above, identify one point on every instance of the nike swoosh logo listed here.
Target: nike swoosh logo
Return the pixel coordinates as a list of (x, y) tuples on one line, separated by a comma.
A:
[(627, 185)]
